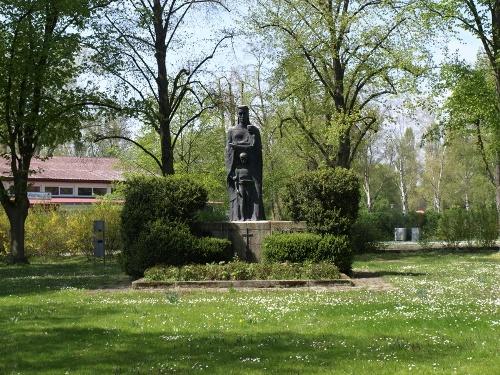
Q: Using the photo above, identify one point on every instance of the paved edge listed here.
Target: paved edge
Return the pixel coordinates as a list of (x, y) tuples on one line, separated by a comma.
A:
[(217, 284)]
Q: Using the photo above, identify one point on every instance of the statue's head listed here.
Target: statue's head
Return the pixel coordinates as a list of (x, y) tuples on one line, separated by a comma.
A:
[(243, 116), (243, 157)]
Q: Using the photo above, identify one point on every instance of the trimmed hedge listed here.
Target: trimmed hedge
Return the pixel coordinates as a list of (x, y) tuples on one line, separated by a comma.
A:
[(239, 270), (158, 243), (173, 244), (308, 247), (290, 247), (326, 199), (171, 198), (155, 225), (336, 249), (210, 249)]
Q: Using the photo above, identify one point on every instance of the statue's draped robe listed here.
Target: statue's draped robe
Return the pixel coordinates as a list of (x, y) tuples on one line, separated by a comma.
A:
[(252, 146)]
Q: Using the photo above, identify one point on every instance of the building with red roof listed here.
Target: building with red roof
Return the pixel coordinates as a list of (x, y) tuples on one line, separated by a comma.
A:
[(68, 180)]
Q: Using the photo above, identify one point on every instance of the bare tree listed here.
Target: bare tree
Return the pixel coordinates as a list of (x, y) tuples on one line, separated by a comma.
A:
[(139, 43)]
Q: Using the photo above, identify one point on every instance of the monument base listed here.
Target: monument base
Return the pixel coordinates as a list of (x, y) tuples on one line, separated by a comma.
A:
[(247, 236)]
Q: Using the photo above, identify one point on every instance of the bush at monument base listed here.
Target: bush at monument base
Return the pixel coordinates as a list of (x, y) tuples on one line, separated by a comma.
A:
[(336, 249), (308, 247), (155, 225), (326, 199), (171, 198), (290, 247), (172, 244)]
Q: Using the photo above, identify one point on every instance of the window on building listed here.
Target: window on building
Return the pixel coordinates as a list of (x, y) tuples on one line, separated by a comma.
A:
[(33, 189), (100, 191), (66, 190), (54, 190), (85, 191)]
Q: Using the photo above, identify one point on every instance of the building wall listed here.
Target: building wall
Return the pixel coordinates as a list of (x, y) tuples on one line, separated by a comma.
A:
[(74, 185)]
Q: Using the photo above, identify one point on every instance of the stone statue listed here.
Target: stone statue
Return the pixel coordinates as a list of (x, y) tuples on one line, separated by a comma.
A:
[(244, 170)]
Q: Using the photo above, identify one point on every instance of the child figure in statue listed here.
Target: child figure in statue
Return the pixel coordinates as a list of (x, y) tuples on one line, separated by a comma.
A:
[(245, 188)]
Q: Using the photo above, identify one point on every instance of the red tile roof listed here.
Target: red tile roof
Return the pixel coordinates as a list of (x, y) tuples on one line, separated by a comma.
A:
[(66, 168)]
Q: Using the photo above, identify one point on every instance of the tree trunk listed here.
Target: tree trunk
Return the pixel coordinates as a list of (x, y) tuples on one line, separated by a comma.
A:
[(164, 106), (497, 182), (402, 188), (17, 214), (167, 155), (366, 186)]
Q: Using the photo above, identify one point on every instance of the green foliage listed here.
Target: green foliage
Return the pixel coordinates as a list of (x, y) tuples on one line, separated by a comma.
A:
[(147, 199), (238, 270), (290, 247), (55, 232), (335, 249), (155, 225), (212, 213), (476, 226), (429, 226), (327, 199), (308, 247), (369, 228), (172, 243), (159, 242), (209, 249)]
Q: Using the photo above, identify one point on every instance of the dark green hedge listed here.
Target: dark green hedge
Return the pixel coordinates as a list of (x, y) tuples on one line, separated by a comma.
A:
[(308, 247), (290, 247), (326, 199), (155, 225), (209, 249), (171, 198)]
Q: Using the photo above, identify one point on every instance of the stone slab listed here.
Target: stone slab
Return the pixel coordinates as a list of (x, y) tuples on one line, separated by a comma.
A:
[(225, 284), (247, 236)]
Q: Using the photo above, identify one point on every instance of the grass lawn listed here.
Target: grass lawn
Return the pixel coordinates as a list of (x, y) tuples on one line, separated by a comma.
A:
[(441, 317)]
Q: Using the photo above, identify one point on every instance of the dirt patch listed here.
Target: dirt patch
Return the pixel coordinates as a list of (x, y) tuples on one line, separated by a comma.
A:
[(370, 280)]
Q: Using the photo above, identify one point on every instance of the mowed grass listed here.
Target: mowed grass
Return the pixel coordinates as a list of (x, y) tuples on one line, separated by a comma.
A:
[(441, 318)]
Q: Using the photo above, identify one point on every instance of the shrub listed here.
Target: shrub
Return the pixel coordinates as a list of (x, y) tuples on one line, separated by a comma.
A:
[(290, 247), (210, 249), (327, 199), (474, 226), (336, 249), (308, 247), (147, 199), (79, 228), (45, 233), (159, 242), (238, 270), (155, 221), (430, 225), (367, 231), (54, 231)]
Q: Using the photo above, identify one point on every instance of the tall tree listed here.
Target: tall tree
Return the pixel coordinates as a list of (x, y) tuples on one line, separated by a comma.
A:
[(139, 43), (41, 104), (482, 19), (339, 58), (472, 110), (403, 157)]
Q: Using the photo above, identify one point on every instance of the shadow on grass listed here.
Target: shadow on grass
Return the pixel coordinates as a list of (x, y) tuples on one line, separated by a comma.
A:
[(381, 256), (108, 351), (371, 274), (40, 276)]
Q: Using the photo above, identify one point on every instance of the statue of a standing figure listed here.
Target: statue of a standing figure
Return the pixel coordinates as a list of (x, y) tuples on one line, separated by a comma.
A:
[(244, 170)]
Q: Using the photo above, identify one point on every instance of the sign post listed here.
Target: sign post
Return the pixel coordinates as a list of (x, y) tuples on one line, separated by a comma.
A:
[(99, 248)]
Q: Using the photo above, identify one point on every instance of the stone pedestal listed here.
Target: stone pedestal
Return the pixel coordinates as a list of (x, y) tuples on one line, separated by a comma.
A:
[(247, 236)]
